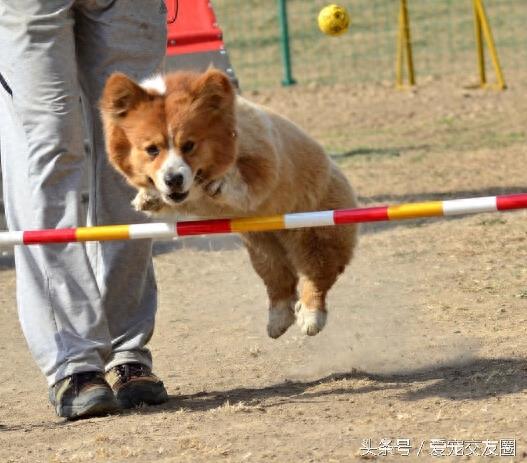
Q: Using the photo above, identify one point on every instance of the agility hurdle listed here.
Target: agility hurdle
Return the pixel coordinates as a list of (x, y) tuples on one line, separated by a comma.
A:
[(164, 230)]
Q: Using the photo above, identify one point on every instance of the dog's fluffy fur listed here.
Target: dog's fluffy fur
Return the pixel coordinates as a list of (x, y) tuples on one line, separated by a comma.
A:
[(191, 146)]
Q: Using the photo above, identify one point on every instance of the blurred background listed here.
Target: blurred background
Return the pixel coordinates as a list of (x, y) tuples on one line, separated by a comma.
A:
[(442, 34)]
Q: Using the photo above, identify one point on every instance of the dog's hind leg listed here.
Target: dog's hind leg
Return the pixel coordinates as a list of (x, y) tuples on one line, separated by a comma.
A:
[(320, 256), (269, 259)]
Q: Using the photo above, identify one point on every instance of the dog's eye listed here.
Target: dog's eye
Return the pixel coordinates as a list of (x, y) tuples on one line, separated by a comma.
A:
[(187, 147), (152, 150)]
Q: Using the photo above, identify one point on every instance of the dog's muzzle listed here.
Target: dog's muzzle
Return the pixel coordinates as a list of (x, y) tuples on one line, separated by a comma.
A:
[(176, 182), (178, 197)]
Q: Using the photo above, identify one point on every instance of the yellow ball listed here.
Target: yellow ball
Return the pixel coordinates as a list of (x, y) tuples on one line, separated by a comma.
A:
[(333, 20)]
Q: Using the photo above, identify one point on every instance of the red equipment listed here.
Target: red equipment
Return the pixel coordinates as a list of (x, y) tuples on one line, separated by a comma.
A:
[(195, 40)]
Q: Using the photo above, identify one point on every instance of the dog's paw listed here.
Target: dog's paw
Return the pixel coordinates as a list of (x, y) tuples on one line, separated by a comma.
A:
[(281, 317), (145, 201), (310, 321)]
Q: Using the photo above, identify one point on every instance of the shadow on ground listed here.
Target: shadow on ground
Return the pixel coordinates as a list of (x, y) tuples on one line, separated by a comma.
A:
[(439, 196), (368, 151), (473, 380)]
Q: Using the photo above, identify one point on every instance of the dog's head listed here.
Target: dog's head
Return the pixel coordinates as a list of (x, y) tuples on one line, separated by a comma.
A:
[(172, 133)]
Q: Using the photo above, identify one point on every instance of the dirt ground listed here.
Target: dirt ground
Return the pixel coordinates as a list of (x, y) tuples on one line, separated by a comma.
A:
[(426, 336)]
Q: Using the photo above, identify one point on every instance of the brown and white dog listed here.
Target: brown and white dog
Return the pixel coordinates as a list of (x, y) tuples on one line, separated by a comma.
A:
[(191, 146)]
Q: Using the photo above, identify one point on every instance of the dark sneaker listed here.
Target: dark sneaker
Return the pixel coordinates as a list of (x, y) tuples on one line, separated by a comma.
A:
[(134, 385), (82, 395)]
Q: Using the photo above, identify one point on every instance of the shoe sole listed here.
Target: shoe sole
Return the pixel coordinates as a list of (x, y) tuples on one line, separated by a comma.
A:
[(77, 413), (95, 406), (136, 396)]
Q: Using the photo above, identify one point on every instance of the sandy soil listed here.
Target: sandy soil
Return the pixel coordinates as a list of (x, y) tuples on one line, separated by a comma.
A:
[(426, 336)]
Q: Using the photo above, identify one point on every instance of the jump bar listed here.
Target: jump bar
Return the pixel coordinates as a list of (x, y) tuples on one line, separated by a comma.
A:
[(276, 222)]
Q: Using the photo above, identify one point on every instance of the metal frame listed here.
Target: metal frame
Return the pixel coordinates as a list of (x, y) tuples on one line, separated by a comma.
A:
[(483, 30), (404, 44)]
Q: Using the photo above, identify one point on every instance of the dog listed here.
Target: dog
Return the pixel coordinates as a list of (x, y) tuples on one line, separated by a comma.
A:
[(192, 146)]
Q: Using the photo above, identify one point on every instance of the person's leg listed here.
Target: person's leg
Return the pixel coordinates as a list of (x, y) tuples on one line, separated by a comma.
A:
[(42, 162), (129, 37)]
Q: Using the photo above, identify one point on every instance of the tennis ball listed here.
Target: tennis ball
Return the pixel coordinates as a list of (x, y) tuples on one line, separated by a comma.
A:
[(333, 20)]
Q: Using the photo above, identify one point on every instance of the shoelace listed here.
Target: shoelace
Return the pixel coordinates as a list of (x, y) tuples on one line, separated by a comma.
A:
[(128, 370), (80, 379)]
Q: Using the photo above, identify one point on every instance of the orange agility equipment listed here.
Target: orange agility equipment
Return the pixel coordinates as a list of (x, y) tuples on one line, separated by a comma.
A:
[(194, 38)]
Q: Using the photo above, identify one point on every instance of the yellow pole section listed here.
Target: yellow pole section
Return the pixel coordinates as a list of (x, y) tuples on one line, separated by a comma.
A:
[(414, 210), (273, 222), (479, 45), (105, 232), (490, 43), (409, 57), (400, 38)]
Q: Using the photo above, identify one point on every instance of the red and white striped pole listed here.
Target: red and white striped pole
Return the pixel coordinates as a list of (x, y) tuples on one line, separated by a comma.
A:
[(268, 223)]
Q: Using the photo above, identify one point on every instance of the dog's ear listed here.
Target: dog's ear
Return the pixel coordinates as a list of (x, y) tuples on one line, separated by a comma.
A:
[(120, 95), (214, 89), (118, 148)]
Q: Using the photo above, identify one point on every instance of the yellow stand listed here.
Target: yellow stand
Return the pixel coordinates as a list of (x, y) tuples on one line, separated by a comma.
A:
[(404, 43), (482, 29)]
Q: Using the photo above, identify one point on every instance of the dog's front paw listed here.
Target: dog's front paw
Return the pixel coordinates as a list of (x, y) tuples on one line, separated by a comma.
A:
[(281, 317), (146, 201), (311, 321)]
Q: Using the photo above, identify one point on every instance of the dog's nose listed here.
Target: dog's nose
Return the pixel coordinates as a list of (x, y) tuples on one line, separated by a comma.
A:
[(174, 180)]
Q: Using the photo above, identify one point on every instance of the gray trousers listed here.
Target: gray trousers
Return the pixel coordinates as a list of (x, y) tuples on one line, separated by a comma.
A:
[(81, 307)]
